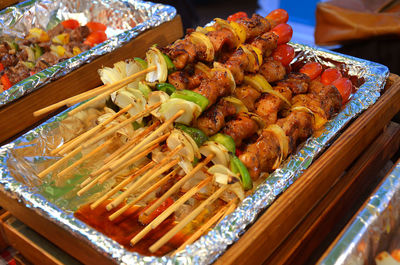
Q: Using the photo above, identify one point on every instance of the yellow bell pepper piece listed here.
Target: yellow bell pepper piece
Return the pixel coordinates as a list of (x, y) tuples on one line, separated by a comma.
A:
[(59, 50), (240, 31), (76, 51), (61, 39), (39, 34)]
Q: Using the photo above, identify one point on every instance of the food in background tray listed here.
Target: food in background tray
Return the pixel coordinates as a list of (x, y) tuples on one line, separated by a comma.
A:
[(384, 258), (41, 49), (231, 112)]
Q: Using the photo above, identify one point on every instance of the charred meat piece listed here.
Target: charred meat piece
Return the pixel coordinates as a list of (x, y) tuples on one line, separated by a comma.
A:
[(79, 34), (180, 79), (269, 105), (255, 26), (272, 70), (4, 48), (57, 30), (212, 120), (222, 38), (240, 128), (182, 53), (266, 43), (261, 156), (248, 95), (17, 73), (329, 97), (236, 63), (9, 60), (297, 82)]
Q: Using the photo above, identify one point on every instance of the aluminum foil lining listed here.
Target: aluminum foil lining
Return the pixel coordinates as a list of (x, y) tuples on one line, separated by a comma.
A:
[(125, 20), (376, 227), (209, 247)]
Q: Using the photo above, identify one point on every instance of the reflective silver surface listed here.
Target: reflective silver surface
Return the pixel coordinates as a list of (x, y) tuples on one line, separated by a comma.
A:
[(119, 16), (209, 247)]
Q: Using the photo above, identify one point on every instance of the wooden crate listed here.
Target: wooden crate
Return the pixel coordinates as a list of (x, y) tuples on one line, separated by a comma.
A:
[(16, 117)]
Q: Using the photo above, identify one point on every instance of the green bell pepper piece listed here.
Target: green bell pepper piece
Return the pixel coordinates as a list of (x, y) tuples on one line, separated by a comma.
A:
[(197, 135), (142, 62), (166, 87), (225, 140), (194, 97), (237, 166), (144, 88), (170, 64)]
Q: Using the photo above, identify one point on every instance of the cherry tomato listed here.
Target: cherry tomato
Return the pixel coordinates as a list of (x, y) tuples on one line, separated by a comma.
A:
[(278, 16), (284, 32), (95, 37), (396, 254), (70, 24), (330, 75), (96, 26), (345, 87), (159, 210), (5, 82), (1, 67), (237, 16), (284, 53), (312, 69)]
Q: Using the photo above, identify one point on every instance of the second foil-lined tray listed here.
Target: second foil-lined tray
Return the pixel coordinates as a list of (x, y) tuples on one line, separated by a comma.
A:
[(128, 24), (370, 76)]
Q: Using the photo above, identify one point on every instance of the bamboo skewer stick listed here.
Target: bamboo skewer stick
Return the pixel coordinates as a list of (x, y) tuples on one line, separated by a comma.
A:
[(112, 88), (81, 138), (149, 176), (148, 138), (59, 163), (186, 220), (144, 194), (107, 174), (177, 185), (83, 158), (111, 130), (107, 167), (134, 173), (72, 100), (172, 208), (131, 142)]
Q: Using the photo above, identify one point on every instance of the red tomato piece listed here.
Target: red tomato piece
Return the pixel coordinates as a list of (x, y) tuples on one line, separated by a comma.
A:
[(70, 24), (330, 75), (312, 69), (159, 210), (5, 82), (284, 32), (1, 67), (95, 37), (278, 16), (344, 87), (284, 53), (96, 26), (237, 16), (396, 254)]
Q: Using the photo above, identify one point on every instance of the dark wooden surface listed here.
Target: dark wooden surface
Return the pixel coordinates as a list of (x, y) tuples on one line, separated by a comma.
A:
[(16, 117), (265, 236), (7, 3)]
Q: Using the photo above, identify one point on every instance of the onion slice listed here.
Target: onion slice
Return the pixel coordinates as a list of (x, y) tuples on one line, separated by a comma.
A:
[(220, 67), (177, 138), (173, 105), (225, 24), (239, 105), (220, 152), (155, 97), (200, 38), (283, 143), (203, 68), (154, 57), (253, 65)]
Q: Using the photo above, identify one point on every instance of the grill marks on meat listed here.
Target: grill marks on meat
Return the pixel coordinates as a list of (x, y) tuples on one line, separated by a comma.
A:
[(240, 128), (266, 43), (248, 95), (255, 26), (297, 82), (79, 34), (222, 38), (272, 70), (182, 53), (329, 97), (212, 120), (236, 63)]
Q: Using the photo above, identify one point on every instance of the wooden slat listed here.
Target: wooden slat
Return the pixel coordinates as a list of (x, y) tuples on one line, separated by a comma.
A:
[(7, 3), (322, 225), (17, 116), (271, 229)]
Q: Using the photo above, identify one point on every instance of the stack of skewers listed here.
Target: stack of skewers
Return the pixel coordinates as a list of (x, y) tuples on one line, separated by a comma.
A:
[(229, 114)]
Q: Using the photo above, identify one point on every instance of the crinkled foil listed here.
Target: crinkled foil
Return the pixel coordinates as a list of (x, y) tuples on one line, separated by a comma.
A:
[(118, 15), (209, 247), (376, 227)]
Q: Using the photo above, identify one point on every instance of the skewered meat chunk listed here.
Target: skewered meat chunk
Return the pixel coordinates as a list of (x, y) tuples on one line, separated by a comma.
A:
[(79, 34), (248, 95), (266, 43), (261, 155), (297, 82), (255, 26), (182, 53), (240, 128), (272, 70), (268, 106), (329, 97), (236, 63), (222, 38), (179, 79), (211, 121)]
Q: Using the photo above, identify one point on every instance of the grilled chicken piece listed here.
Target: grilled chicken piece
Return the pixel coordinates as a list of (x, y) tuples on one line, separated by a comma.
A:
[(266, 43), (236, 63), (261, 156), (297, 82), (268, 105), (298, 126), (272, 70), (240, 128), (222, 38), (179, 79), (212, 120), (181, 53), (329, 97), (254, 26), (248, 95)]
